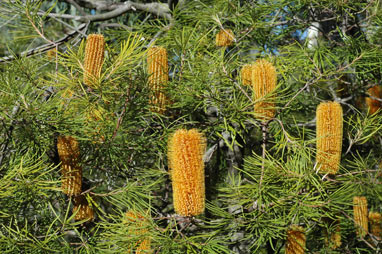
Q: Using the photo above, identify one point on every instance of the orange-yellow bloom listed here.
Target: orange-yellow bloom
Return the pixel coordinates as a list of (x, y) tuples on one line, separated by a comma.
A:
[(296, 240), (373, 104), (375, 224), (225, 38), (51, 54), (94, 57), (68, 151), (264, 79), (360, 215), (185, 156), (144, 246), (83, 209), (158, 77), (329, 136)]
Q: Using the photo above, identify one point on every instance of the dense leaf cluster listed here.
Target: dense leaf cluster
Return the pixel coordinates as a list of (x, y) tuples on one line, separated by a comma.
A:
[(253, 194)]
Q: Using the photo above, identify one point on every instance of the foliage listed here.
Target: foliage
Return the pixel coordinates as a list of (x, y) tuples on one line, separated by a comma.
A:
[(260, 178)]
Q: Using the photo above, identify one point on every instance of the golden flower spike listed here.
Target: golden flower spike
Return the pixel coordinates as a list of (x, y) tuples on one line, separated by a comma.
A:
[(295, 240), (376, 224), (264, 79), (68, 152), (94, 57), (185, 156), (158, 77), (360, 215), (83, 209), (329, 136), (225, 38), (144, 246), (372, 104)]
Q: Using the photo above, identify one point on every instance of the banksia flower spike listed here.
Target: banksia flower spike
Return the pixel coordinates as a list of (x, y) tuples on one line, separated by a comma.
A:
[(82, 209), (329, 136), (225, 38), (157, 64), (185, 156), (139, 222), (372, 104), (246, 74), (376, 224), (264, 79), (68, 152), (295, 240), (360, 215), (94, 57)]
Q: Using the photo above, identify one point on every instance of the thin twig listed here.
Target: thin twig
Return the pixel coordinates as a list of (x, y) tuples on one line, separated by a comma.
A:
[(41, 33), (71, 27), (43, 48), (264, 130), (120, 119), (158, 9)]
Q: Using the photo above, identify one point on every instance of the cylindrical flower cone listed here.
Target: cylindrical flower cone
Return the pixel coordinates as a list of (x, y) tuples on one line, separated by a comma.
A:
[(376, 224), (94, 58), (329, 136), (296, 240), (144, 245), (157, 64), (82, 209), (225, 38), (372, 104), (264, 79), (68, 151), (360, 215), (246, 74), (185, 156)]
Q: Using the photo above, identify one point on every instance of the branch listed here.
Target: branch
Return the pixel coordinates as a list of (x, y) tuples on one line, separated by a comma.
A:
[(115, 10), (43, 48)]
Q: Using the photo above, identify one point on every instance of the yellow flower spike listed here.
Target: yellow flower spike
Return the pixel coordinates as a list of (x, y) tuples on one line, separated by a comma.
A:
[(373, 104), (360, 215), (296, 240), (329, 136), (68, 151), (94, 57), (144, 246), (246, 74), (264, 79), (376, 224), (185, 156), (157, 64), (83, 209), (225, 38)]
